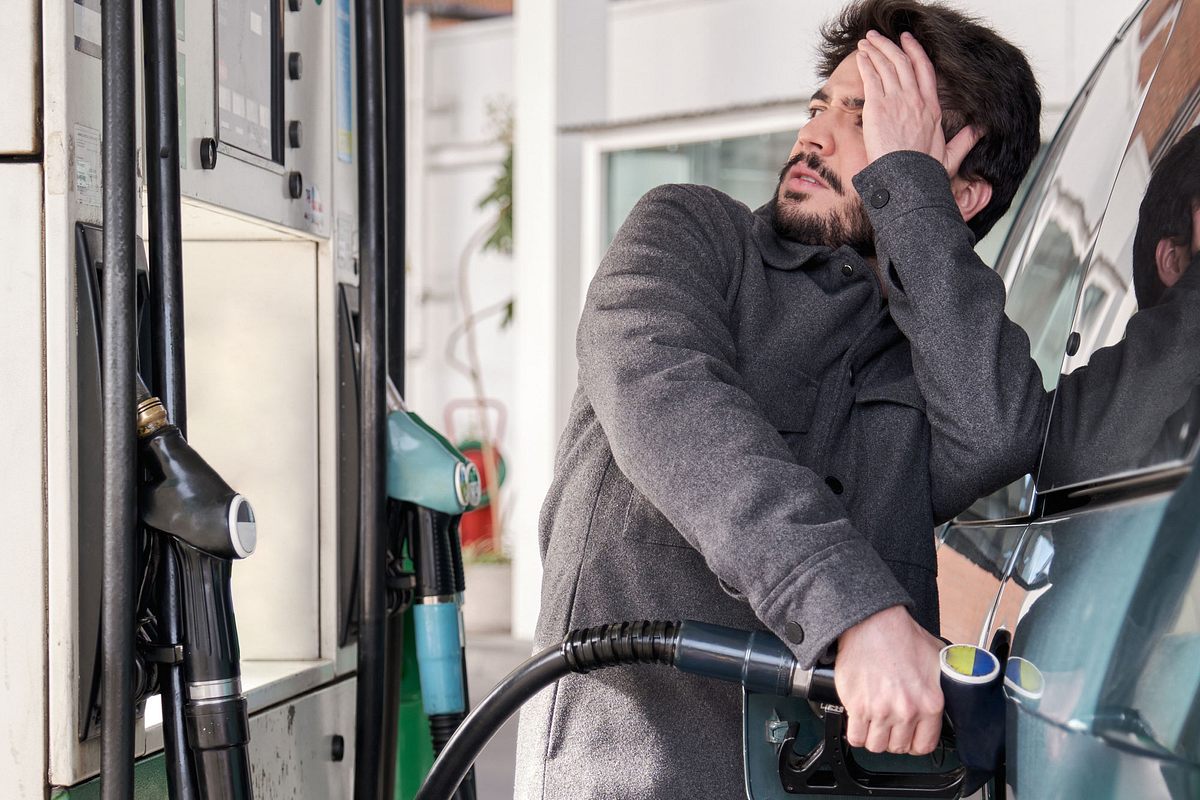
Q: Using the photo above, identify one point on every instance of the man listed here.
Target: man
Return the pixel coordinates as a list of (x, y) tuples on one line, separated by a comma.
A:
[(761, 439)]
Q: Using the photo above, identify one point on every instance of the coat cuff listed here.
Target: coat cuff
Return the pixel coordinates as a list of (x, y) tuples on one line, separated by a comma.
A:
[(829, 593), (902, 182)]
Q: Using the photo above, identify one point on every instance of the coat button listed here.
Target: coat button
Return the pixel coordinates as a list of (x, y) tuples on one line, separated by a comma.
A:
[(1073, 343), (834, 485), (847, 270), (880, 198), (794, 633)]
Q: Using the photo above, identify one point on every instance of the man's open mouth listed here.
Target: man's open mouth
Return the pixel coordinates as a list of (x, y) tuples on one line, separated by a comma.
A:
[(802, 178)]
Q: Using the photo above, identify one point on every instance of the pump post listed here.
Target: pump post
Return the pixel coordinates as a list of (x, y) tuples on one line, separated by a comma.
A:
[(372, 606), (118, 348)]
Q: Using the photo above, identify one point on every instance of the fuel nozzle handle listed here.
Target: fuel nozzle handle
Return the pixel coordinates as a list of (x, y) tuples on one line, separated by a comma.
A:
[(183, 495), (761, 663)]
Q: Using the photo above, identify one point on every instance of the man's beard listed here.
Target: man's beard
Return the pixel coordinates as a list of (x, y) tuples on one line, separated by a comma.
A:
[(847, 226)]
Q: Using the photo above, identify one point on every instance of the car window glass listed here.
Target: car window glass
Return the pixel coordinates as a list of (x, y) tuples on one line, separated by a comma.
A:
[(1128, 399), (1043, 257)]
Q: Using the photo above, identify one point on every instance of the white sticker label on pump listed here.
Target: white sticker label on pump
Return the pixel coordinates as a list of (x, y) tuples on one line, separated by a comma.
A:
[(88, 188)]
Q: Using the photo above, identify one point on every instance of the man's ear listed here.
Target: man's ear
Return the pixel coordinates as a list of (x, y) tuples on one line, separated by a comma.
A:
[(1171, 261), (971, 194)]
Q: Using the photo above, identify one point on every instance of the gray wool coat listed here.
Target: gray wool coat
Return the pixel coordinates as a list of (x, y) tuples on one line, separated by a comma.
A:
[(759, 440)]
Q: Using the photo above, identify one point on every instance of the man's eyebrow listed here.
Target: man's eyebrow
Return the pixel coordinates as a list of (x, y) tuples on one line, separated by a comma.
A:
[(853, 103)]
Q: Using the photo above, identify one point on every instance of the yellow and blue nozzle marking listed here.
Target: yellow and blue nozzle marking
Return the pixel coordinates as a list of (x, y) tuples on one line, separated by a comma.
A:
[(964, 663), (1023, 679)]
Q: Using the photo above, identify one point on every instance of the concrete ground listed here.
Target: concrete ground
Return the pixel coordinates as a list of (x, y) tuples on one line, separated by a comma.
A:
[(489, 658)]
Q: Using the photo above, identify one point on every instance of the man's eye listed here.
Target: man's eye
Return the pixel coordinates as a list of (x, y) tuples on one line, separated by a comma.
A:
[(812, 112)]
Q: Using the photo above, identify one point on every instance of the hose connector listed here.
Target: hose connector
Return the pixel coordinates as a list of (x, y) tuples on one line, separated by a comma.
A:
[(151, 417)]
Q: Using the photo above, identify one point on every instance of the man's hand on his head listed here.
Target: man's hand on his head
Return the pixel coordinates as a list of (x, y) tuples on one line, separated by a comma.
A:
[(901, 109), (888, 677)]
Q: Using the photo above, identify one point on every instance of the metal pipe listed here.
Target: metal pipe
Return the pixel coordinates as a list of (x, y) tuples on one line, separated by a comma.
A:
[(395, 143), (394, 158), (162, 180), (372, 631), (166, 326), (118, 349)]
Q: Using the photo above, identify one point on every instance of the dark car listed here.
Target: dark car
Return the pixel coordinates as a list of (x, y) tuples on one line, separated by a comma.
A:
[(1084, 576)]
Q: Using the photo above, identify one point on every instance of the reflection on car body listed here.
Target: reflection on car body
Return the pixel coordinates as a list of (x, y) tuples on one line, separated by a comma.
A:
[(1087, 572)]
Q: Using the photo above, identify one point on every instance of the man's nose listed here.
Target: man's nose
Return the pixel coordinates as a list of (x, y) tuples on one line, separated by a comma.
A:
[(816, 136)]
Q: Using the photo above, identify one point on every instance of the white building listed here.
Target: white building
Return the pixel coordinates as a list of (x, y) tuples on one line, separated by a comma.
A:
[(611, 98)]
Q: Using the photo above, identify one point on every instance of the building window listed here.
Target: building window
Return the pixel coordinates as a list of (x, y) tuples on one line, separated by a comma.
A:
[(745, 167)]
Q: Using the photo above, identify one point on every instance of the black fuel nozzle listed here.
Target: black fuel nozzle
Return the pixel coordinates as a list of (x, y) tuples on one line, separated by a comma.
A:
[(209, 525), (974, 711)]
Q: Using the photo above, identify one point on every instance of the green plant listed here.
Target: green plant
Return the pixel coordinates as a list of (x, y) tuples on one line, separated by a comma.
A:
[(500, 235)]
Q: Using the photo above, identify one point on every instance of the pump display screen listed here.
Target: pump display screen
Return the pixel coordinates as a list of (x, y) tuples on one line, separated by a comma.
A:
[(249, 98)]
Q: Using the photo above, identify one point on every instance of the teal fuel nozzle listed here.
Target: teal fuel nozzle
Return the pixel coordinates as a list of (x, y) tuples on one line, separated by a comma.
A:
[(426, 470)]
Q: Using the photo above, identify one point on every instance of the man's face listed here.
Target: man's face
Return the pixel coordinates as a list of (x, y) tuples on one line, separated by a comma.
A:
[(815, 200)]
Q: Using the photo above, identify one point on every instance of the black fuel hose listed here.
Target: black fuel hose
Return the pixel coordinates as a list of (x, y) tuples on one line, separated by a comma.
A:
[(582, 651), (477, 730)]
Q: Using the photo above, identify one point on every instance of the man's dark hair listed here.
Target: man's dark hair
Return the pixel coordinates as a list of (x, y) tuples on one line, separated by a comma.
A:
[(983, 81), (1166, 213)]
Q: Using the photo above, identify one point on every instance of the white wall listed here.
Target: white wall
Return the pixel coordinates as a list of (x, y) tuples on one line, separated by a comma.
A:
[(672, 65), (461, 73)]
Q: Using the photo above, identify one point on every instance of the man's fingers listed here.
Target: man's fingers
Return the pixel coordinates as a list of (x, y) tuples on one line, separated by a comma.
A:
[(926, 735), (958, 147), (856, 729), (878, 734), (901, 739), (897, 58), (883, 67), (872, 85), (922, 68)]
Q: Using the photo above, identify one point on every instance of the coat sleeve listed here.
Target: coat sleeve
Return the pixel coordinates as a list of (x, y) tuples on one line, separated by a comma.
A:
[(983, 392), (1109, 415), (656, 358)]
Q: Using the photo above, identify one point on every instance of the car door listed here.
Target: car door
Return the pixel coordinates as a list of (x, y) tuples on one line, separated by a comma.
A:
[(1100, 604)]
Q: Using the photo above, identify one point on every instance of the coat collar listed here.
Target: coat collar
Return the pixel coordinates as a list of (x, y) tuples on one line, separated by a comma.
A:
[(779, 252)]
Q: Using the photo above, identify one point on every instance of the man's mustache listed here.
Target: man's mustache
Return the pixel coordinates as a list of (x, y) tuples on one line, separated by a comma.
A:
[(813, 162)]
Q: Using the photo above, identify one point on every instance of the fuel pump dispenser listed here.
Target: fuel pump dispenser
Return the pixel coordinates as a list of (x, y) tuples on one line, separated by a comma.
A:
[(224, 176)]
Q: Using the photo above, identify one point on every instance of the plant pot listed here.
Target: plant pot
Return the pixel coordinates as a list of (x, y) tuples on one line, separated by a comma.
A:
[(487, 606)]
